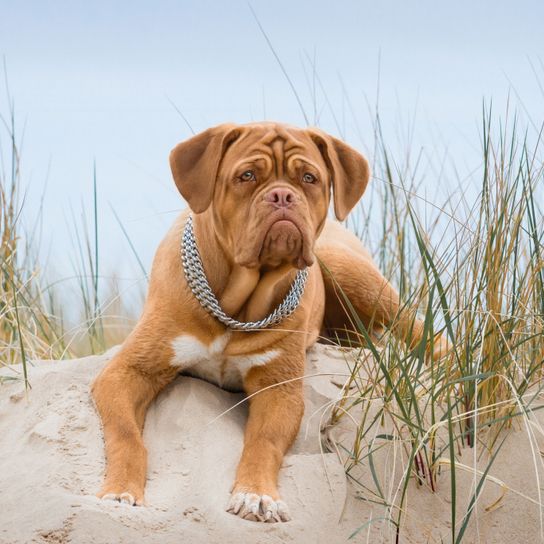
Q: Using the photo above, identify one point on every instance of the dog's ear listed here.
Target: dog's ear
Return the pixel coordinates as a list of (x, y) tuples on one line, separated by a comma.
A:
[(349, 171), (195, 163)]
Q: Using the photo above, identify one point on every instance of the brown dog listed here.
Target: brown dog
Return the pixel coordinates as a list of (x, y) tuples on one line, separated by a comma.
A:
[(259, 194)]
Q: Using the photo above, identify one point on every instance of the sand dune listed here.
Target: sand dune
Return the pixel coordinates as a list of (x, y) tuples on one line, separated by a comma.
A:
[(52, 459)]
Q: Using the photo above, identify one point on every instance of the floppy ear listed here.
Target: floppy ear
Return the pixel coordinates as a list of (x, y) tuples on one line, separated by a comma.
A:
[(195, 163), (349, 171)]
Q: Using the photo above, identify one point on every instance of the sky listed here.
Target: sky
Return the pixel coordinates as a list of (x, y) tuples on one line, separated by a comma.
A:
[(101, 84)]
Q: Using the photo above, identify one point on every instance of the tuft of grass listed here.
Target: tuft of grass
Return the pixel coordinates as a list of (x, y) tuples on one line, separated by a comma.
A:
[(475, 271), (33, 323), (26, 330)]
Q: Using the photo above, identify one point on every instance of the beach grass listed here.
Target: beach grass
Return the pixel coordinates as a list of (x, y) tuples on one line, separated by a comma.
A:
[(475, 271), (33, 320)]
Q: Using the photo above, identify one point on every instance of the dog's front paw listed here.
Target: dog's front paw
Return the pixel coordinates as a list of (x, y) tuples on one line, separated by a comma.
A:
[(441, 348), (130, 497), (254, 507)]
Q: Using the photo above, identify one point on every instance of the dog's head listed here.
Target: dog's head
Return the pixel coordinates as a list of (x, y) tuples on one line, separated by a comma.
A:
[(267, 187)]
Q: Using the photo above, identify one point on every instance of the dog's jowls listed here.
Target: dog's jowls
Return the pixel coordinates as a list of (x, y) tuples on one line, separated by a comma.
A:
[(259, 194)]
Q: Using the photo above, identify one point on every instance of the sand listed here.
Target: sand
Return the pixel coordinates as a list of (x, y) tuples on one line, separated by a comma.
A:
[(52, 463)]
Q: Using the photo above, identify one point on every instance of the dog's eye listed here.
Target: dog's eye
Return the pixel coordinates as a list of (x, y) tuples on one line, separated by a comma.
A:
[(248, 175), (309, 178)]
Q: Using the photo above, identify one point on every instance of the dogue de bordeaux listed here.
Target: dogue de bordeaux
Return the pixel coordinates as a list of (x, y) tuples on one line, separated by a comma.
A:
[(259, 196)]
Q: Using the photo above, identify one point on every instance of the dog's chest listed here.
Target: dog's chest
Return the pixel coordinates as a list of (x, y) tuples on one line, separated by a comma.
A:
[(207, 361)]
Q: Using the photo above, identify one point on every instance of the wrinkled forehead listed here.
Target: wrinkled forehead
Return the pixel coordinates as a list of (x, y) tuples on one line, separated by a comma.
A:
[(278, 143)]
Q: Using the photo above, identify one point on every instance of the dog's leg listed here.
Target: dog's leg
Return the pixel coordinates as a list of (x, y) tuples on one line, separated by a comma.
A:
[(274, 420), (354, 276), (122, 394)]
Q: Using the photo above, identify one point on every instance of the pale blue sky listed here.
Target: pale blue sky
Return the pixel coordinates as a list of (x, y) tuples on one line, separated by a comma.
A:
[(93, 80)]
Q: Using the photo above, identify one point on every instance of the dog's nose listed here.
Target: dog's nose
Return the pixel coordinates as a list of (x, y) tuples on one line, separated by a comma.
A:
[(280, 197)]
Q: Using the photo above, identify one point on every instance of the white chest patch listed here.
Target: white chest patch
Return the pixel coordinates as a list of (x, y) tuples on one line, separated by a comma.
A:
[(208, 362)]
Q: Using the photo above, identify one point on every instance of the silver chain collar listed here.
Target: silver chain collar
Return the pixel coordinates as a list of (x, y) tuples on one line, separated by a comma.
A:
[(196, 278)]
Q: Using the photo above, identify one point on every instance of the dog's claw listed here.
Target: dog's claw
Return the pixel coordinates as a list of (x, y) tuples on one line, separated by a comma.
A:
[(270, 508), (253, 507), (283, 511), (123, 498), (236, 503), (127, 498), (109, 497)]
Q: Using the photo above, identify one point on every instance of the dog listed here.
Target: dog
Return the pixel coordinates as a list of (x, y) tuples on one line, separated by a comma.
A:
[(259, 197)]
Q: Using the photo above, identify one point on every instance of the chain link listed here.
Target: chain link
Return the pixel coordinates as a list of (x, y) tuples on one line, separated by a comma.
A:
[(196, 278)]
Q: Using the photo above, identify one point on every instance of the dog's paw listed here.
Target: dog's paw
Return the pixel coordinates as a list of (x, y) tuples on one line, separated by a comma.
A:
[(125, 497), (438, 349), (255, 507), (441, 348)]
